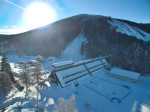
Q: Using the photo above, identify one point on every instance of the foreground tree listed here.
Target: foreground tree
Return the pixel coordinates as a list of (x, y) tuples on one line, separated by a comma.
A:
[(24, 78), (3, 63), (5, 67), (37, 74), (5, 83), (66, 105), (25, 75)]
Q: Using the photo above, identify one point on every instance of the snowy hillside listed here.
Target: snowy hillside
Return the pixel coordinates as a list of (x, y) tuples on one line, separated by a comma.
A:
[(130, 30), (72, 51)]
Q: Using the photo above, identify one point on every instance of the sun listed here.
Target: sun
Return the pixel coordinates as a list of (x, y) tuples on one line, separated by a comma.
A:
[(39, 14)]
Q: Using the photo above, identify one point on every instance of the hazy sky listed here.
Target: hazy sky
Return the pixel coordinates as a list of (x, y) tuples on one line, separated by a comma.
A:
[(12, 12)]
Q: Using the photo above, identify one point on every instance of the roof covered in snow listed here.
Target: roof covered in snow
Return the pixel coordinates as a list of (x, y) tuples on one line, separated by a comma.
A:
[(125, 73), (62, 63), (79, 70)]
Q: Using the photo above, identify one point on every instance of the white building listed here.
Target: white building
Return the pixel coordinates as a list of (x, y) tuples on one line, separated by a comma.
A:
[(69, 72), (62, 65), (124, 74)]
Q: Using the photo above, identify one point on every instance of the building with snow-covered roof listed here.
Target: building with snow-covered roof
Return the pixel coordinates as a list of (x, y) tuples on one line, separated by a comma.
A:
[(62, 65), (69, 72), (124, 74)]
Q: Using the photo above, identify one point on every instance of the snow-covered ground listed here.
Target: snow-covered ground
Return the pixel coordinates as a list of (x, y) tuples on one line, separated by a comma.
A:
[(130, 30), (97, 90), (16, 98), (137, 101)]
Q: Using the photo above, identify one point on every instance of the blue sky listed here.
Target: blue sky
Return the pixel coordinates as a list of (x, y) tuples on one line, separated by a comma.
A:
[(12, 11)]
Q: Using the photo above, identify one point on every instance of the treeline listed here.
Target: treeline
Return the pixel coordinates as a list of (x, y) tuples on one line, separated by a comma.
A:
[(128, 52), (6, 76)]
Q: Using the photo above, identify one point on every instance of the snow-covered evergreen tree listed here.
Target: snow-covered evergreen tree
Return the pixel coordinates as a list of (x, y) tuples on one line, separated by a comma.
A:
[(5, 83), (5, 67), (137, 54), (3, 63)]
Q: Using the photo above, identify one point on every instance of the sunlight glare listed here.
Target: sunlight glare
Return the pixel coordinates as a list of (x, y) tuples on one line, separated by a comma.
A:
[(39, 14)]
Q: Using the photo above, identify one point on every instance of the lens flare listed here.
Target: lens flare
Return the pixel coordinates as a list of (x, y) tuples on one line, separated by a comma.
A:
[(39, 14)]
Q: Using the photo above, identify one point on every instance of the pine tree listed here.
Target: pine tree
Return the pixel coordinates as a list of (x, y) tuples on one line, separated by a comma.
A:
[(5, 83), (146, 62), (3, 63), (5, 67), (137, 54)]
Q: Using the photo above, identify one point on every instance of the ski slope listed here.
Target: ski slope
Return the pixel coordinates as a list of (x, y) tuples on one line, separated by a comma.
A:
[(130, 30), (72, 51)]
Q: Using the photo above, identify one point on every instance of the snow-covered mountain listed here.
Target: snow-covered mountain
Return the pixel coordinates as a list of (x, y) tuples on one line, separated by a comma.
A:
[(86, 36), (57, 36)]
